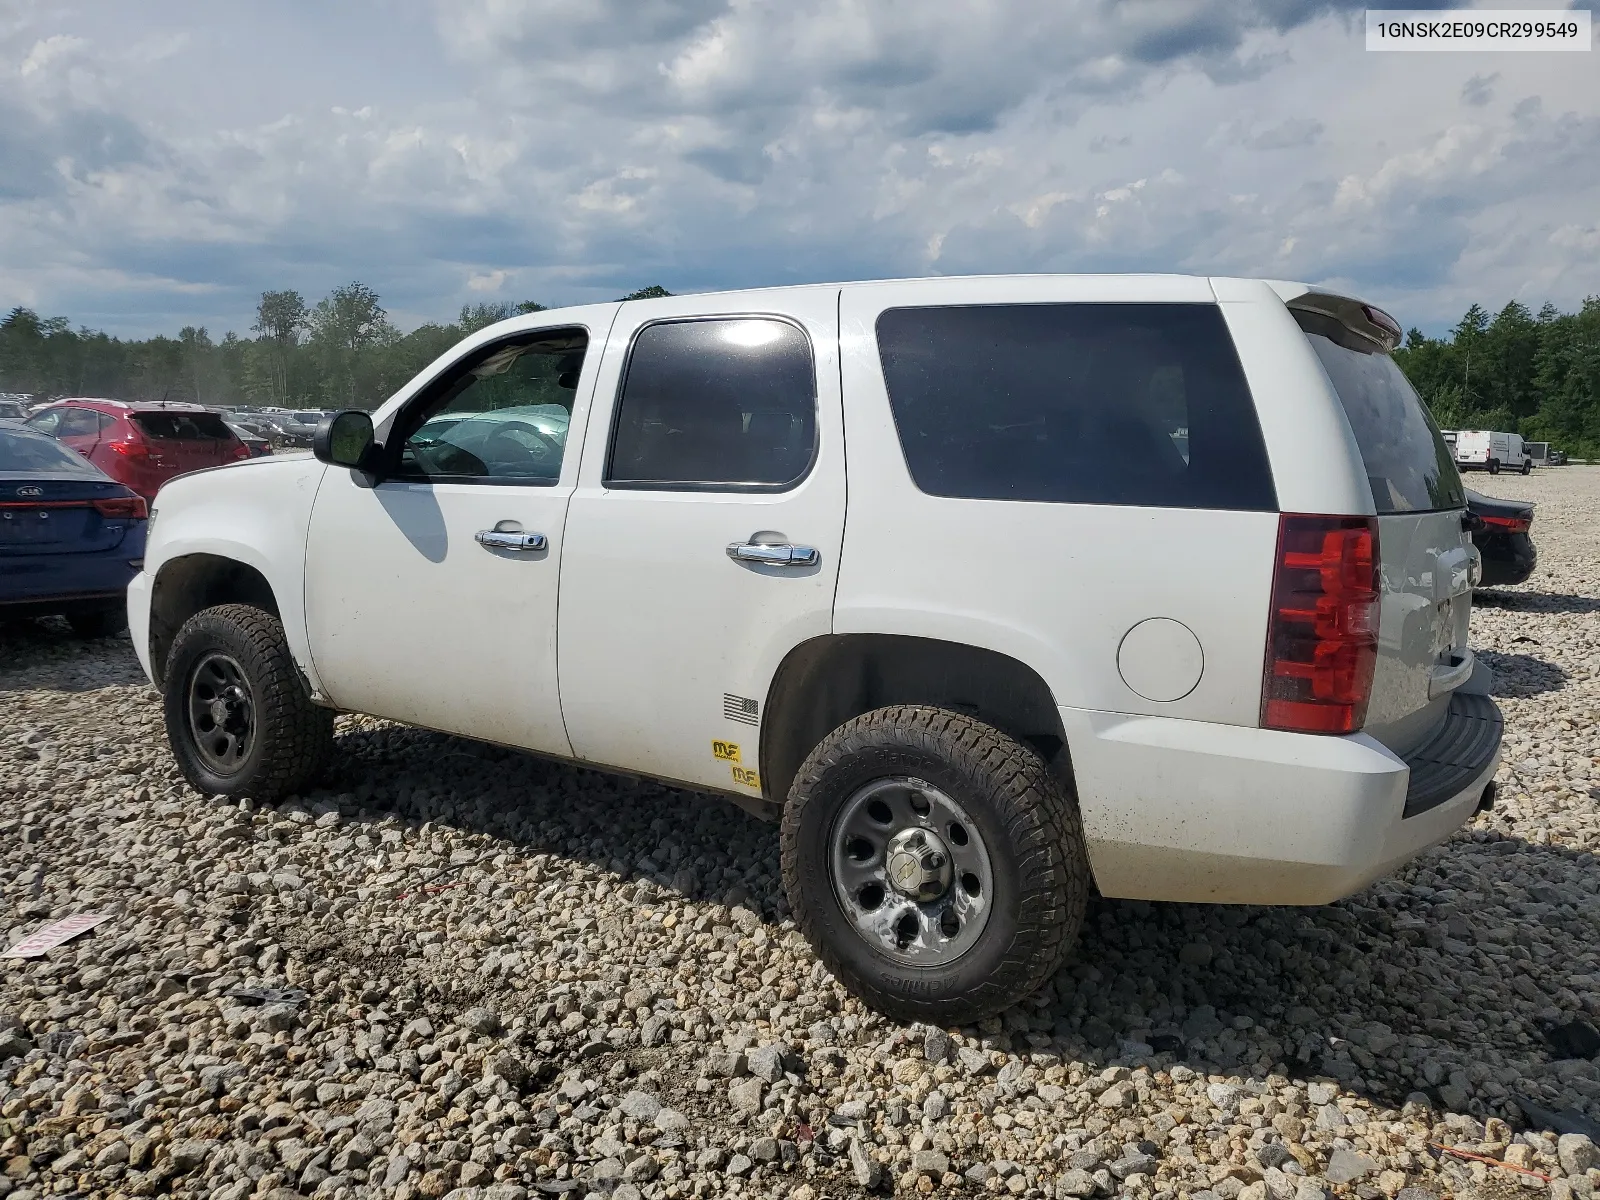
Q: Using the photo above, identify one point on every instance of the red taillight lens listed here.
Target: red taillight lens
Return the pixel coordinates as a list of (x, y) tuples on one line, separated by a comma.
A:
[(123, 506), (1509, 524), (130, 449), (1322, 636), (240, 450)]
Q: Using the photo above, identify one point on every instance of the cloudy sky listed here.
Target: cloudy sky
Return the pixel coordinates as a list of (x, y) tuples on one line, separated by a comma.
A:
[(163, 163)]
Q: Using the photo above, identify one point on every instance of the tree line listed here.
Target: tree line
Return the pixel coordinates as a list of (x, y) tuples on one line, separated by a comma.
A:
[(1538, 375), (342, 352)]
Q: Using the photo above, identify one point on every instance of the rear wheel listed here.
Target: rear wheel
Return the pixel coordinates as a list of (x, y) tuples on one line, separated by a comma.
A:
[(237, 714), (936, 865), (1494, 466), (98, 622)]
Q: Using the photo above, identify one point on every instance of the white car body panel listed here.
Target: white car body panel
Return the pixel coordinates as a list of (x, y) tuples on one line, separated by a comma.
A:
[(658, 624), (390, 567), (256, 512)]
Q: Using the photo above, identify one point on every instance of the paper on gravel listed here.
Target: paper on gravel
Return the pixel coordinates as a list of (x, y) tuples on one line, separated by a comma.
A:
[(43, 940)]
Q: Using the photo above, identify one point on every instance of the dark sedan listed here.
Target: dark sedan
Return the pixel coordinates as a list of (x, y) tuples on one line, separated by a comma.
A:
[(71, 537), (1501, 534)]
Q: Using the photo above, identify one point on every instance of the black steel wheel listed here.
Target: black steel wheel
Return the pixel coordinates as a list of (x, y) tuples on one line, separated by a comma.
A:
[(238, 716), (936, 865)]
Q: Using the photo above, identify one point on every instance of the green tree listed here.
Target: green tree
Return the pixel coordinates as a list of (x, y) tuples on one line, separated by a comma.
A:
[(281, 318)]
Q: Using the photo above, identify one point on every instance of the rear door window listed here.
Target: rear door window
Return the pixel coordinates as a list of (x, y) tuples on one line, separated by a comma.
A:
[(1409, 464), (181, 427), (1128, 404), (716, 404)]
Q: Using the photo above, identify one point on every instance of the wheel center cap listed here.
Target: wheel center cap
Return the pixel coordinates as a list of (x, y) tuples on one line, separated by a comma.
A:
[(219, 711), (918, 865)]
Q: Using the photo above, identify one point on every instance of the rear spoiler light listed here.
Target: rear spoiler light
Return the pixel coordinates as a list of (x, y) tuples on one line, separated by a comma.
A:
[(1322, 632)]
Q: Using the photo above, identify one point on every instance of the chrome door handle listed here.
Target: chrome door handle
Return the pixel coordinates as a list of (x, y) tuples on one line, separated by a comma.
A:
[(498, 539), (779, 555)]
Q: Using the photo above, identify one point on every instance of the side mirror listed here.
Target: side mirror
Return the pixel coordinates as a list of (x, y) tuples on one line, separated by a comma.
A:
[(344, 440)]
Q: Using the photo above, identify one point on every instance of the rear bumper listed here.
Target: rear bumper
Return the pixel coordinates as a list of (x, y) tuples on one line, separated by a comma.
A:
[(41, 584), (1188, 811)]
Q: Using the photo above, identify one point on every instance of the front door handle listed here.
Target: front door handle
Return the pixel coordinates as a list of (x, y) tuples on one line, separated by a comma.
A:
[(774, 554), (499, 539)]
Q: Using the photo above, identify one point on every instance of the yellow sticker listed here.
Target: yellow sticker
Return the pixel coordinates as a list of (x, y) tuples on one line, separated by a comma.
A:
[(726, 751), (746, 777)]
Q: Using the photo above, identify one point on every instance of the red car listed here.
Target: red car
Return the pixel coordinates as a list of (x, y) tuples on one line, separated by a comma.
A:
[(141, 445)]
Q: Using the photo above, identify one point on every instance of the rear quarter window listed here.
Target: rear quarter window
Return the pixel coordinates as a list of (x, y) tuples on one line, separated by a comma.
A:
[(181, 427), (1410, 466), (1127, 404)]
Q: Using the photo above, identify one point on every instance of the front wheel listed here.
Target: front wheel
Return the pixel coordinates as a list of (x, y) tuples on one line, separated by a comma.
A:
[(237, 714), (1527, 467), (935, 865)]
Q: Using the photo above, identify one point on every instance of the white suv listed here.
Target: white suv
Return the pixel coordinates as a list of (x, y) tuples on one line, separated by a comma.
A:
[(991, 590)]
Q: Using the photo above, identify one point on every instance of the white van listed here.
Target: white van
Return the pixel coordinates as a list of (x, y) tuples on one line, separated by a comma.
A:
[(1492, 451)]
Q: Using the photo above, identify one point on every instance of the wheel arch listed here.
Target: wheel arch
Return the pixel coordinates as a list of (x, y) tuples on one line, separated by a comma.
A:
[(825, 681), (190, 583)]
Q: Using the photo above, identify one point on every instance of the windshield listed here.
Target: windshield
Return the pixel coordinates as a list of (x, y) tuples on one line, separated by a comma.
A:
[(1409, 465), (33, 452)]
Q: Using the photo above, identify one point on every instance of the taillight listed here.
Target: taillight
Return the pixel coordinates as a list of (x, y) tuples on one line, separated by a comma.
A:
[(1322, 637), (122, 506), (1508, 524), (240, 450), (131, 449)]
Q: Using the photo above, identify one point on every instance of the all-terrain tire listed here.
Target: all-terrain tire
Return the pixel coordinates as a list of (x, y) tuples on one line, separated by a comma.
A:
[(1029, 822), (293, 738)]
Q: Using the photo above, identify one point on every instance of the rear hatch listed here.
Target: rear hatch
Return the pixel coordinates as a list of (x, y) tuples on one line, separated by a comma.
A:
[(1425, 552), (187, 441)]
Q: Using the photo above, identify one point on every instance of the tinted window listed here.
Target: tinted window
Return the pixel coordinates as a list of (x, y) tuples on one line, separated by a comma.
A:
[(1409, 465), (1075, 403), (181, 426), (502, 417), (23, 452), (717, 404)]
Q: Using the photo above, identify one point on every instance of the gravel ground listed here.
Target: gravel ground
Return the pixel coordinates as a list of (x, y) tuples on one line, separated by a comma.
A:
[(526, 978)]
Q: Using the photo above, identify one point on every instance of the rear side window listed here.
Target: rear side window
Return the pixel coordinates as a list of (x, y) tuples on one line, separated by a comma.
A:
[(1409, 465), (1133, 404), (723, 404), (181, 426)]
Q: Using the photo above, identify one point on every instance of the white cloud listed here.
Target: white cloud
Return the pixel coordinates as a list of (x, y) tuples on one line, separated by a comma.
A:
[(580, 148)]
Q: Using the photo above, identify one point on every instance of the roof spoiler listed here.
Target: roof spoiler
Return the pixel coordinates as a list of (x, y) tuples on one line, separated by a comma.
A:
[(1365, 320)]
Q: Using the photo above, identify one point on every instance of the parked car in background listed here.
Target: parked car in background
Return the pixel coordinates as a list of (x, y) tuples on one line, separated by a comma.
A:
[(901, 654), (13, 410), (253, 441), (1558, 458), (70, 536), (297, 428), (141, 445), (1491, 451), (1502, 534)]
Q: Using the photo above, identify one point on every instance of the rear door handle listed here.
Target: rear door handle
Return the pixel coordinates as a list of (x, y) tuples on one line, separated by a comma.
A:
[(499, 539), (774, 554)]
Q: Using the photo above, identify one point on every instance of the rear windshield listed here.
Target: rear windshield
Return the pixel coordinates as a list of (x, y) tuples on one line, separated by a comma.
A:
[(1136, 404), (1409, 465), (34, 452), (182, 427)]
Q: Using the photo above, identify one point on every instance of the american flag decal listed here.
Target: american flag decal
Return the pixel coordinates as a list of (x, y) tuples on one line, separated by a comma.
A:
[(741, 709)]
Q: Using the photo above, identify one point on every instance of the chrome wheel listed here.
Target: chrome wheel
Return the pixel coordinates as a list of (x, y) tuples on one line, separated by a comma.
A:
[(221, 713), (911, 871)]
